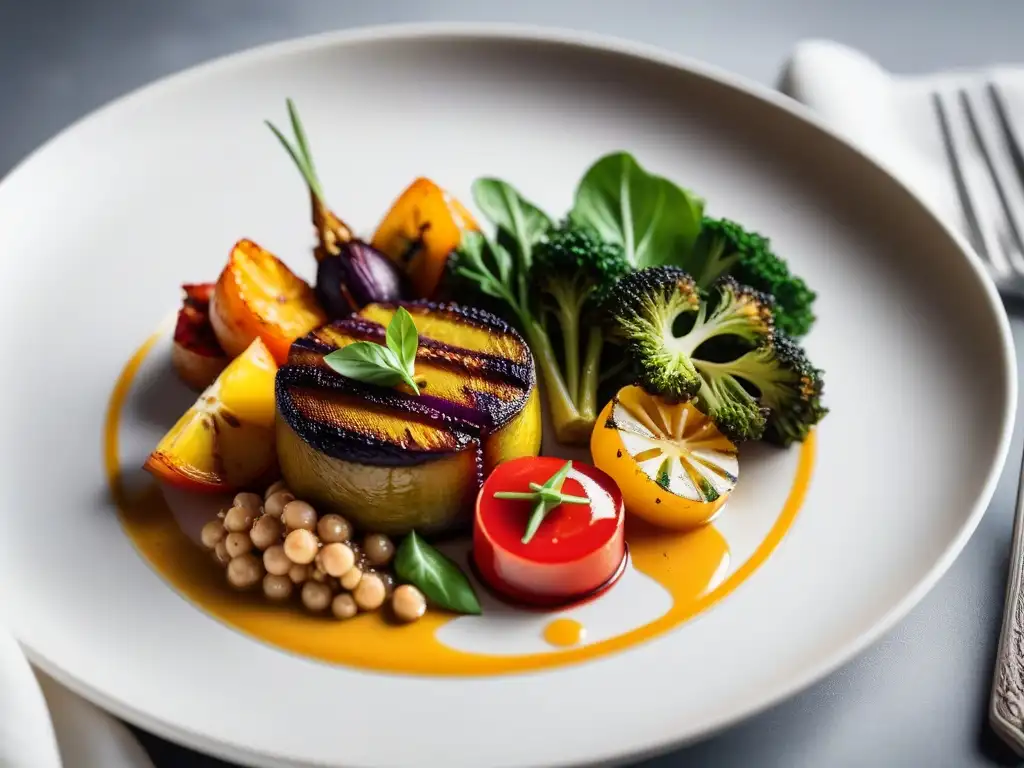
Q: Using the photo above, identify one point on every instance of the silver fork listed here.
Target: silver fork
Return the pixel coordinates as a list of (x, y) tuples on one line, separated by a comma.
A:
[(995, 226), (995, 221)]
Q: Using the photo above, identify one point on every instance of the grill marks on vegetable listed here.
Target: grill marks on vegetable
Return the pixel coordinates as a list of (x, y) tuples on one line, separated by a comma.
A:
[(478, 376), (459, 360)]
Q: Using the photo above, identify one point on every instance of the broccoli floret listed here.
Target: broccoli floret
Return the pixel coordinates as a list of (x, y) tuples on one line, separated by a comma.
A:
[(651, 310), (644, 308), (785, 383), (721, 350), (733, 312), (718, 248), (771, 391), (726, 248), (735, 411), (573, 269)]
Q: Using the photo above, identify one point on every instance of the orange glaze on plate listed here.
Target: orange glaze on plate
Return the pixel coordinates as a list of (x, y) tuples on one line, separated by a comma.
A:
[(563, 633), (683, 563)]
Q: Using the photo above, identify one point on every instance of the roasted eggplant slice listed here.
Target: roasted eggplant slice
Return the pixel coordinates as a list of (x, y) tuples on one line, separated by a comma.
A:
[(392, 461)]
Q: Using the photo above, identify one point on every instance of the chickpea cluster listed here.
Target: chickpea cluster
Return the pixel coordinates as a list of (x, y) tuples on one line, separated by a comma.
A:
[(281, 542)]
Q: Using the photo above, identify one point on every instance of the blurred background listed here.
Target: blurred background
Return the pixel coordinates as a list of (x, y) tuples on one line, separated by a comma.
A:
[(919, 697), (61, 58)]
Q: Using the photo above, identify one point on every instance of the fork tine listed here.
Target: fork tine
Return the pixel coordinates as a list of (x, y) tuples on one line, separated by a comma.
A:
[(1009, 132), (1000, 179), (995, 94), (985, 240)]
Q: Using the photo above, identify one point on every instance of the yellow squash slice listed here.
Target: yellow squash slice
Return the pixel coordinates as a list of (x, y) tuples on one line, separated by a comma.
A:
[(225, 441)]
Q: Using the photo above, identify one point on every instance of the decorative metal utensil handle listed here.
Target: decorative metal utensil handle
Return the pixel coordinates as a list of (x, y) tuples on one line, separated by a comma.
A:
[(1006, 709)]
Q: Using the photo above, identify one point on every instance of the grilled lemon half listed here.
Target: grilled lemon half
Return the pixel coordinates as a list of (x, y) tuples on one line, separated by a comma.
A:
[(673, 466)]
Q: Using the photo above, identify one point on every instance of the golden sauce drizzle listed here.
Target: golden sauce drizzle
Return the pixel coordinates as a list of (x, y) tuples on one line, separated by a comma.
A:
[(563, 633), (684, 564)]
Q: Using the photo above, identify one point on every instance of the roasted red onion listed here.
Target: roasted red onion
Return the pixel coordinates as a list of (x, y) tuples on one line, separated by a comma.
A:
[(358, 275)]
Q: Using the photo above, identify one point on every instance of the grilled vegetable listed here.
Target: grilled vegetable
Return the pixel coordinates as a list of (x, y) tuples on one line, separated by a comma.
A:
[(753, 380), (423, 226), (392, 461), (674, 467), (350, 274), (197, 355), (647, 309), (225, 441), (259, 297), (355, 276)]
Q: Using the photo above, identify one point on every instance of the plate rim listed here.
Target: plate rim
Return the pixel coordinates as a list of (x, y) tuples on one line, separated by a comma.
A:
[(593, 42)]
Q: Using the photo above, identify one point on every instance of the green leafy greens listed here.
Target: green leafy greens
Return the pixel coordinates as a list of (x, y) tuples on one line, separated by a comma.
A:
[(516, 218), (552, 277), (560, 280), (440, 579), (545, 498), (386, 365), (655, 221)]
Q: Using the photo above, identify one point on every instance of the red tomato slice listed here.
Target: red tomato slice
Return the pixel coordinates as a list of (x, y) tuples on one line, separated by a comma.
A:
[(577, 549)]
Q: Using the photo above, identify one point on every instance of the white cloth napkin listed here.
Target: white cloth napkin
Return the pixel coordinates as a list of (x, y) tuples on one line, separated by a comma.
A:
[(44, 725), (892, 119)]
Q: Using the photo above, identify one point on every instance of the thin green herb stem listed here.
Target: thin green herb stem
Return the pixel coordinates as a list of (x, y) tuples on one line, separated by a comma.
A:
[(567, 498), (299, 151), (303, 142), (524, 293), (540, 511), (307, 174), (546, 496)]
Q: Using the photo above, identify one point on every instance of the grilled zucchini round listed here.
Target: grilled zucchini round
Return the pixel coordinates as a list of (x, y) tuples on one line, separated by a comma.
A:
[(392, 461)]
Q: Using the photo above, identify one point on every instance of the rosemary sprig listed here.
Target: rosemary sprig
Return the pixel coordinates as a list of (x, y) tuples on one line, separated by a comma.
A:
[(545, 498)]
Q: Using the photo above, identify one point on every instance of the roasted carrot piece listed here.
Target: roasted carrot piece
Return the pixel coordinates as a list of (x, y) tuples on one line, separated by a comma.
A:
[(423, 226), (257, 296)]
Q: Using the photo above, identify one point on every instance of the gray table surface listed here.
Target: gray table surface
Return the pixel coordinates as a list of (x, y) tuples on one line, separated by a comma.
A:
[(918, 697)]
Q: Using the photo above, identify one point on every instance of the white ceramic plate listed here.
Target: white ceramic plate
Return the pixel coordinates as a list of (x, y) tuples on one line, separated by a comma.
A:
[(99, 228)]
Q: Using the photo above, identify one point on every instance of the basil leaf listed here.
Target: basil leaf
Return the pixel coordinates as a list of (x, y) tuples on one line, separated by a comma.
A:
[(402, 339), (520, 219), (367, 362), (655, 221), (440, 579)]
